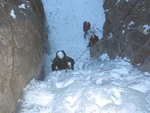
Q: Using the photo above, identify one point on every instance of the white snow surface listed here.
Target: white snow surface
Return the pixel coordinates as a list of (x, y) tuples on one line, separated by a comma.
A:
[(146, 29), (12, 14), (22, 6), (94, 86)]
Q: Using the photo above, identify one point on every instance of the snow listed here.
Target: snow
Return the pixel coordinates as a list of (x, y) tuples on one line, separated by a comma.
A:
[(22, 6), (130, 24), (110, 36), (123, 31), (146, 29), (107, 10), (95, 86), (117, 2), (12, 14)]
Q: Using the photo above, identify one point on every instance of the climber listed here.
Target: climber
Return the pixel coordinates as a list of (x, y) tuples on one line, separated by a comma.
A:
[(86, 27), (93, 40), (61, 61), (95, 47)]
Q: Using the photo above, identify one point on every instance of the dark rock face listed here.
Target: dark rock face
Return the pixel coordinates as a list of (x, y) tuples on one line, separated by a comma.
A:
[(127, 30), (22, 37)]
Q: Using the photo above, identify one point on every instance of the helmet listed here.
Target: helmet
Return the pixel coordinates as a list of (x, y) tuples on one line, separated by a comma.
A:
[(60, 54)]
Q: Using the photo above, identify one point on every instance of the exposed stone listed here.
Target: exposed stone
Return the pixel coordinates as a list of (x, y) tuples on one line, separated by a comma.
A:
[(22, 38), (129, 24)]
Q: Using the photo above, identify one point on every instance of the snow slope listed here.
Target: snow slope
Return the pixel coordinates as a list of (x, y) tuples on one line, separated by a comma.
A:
[(102, 86)]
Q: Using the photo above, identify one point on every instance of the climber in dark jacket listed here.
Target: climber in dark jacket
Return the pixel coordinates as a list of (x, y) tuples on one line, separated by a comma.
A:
[(93, 40), (86, 28), (61, 61)]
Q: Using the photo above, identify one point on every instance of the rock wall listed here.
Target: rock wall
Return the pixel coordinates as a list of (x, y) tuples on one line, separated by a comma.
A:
[(22, 37), (127, 31)]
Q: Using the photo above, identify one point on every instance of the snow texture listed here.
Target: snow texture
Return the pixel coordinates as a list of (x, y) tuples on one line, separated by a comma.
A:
[(22, 6), (12, 14), (146, 29)]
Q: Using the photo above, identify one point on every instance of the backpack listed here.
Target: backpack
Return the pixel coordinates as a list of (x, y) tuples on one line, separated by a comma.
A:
[(86, 26)]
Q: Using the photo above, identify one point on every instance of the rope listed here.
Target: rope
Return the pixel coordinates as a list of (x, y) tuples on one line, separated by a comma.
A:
[(81, 55)]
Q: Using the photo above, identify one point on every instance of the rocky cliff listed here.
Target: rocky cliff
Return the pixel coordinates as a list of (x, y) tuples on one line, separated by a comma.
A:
[(127, 31), (22, 36)]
